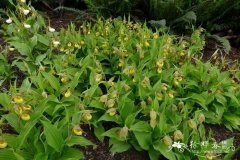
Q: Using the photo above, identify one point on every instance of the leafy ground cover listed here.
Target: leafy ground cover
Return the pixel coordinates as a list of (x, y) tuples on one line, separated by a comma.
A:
[(136, 87)]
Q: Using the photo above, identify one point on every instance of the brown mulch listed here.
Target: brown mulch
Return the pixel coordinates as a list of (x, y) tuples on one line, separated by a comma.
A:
[(101, 151)]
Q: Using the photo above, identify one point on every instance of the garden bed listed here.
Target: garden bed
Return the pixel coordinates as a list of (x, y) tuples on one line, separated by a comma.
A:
[(101, 150)]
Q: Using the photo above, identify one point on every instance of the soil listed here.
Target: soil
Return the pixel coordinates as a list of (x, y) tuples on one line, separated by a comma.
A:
[(101, 151), (220, 133)]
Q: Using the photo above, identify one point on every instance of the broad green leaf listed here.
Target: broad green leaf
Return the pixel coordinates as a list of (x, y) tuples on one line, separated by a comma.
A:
[(75, 80), (19, 157), (6, 154), (11, 140), (97, 104), (98, 131), (52, 80), (5, 101), (140, 126), (108, 118), (162, 123), (41, 156), (144, 139), (23, 48), (200, 99), (120, 147), (34, 119), (233, 119), (33, 41), (42, 39), (153, 154), (71, 154), (221, 99), (13, 120), (131, 118), (113, 132), (40, 58), (78, 140), (232, 96), (164, 150), (53, 136)]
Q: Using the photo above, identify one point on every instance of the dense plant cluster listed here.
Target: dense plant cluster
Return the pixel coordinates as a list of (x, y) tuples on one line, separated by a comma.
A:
[(150, 87)]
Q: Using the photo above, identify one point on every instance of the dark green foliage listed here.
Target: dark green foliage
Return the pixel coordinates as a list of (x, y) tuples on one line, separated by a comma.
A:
[(112, 7)]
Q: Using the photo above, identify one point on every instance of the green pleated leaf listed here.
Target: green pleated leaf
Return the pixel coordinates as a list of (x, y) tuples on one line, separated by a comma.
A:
[(120, 147), (34, 119), (164, 150), (144, 139), (52, 80), (71, 154), (53, 136), (141, 126), (6, 154), (78, 140)]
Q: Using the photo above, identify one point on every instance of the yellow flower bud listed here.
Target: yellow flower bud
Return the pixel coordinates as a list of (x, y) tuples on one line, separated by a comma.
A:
[(143, 104), (18, 99), (174, 108), (192, 124), (77, 46), (98, 77), (175, 82), (68, 93), (164, 86), (171, 94), (61, 49), (179, 78), (159, 96), (147, 44), (110, 81), (209, 156), (97, 34), (131, 71), (169, 40), (77, 130), (112, 111), (26, 107), (167, 140), (153, 114), (69, 44), (103, 98), (180, 105), (153, 123), (178, 135), (155, 35), (126, 87), (3, 144), (159, 70), (149, 100), (159, 63), (11, 49), (120, 64), (64, 79), (110, 103), (123, 132), (87, 116), (181, 53), (145, 82), (134, 80), (44, 94), (25, 116), (201, 118), (114, 94)]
